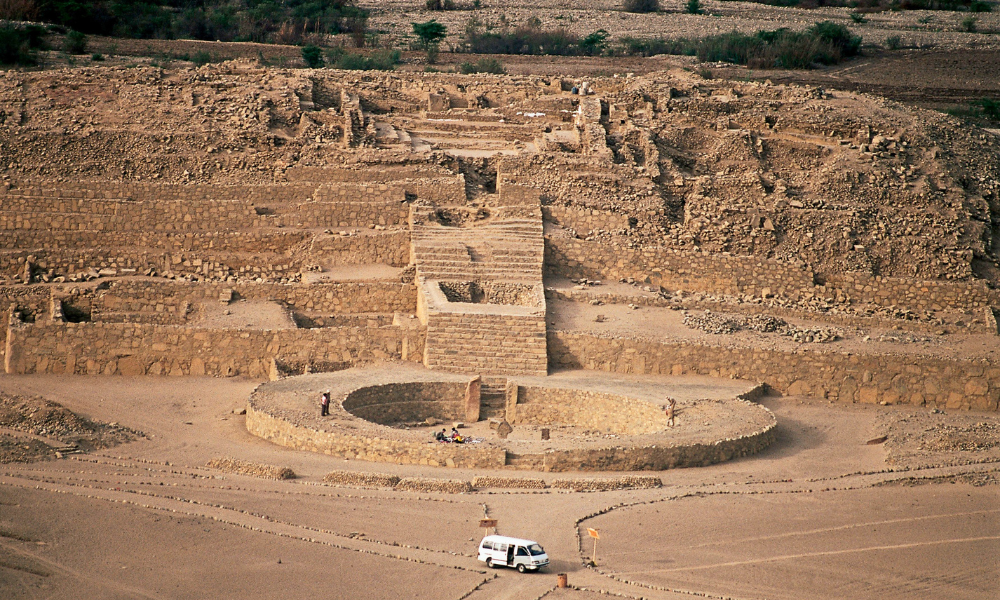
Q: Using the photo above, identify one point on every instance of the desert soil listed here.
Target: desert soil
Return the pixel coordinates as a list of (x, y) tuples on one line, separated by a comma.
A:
[(816, 504)]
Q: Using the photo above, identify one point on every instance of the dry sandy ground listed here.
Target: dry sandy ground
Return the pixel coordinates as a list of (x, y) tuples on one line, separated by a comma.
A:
[(807, 518)]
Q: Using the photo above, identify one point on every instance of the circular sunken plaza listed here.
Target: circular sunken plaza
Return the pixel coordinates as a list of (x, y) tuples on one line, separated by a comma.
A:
[(597, 421)]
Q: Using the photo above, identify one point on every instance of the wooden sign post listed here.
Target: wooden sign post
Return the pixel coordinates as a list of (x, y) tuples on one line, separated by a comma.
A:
[(487, 523), (594, 534)]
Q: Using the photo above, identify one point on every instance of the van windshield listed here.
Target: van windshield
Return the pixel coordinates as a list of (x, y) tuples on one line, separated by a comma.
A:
[(535, 550)]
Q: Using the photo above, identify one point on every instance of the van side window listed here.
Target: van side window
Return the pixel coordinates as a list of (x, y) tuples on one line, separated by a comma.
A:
[(487, 545), (500, 547), (521, 551)]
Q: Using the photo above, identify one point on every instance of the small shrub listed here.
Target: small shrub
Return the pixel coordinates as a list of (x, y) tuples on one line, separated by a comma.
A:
[(641, 6), (75, 43), (991, 108), (16, 47), (858, 18), (522, 40), (483, 65), (980, 7), (97, 57), (838, 36), (705, 73), (476, 4), (381, 60), (693, 7), (969, 24), (595, 43), (201, 58), (440, 5), (433, 51), (894, 42), (924, 20), (313, 56)]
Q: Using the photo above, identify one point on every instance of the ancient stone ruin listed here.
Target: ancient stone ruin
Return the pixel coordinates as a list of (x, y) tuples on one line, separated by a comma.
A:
[(239, 220)]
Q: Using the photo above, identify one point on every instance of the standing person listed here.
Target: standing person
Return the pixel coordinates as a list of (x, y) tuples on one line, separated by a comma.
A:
[(671, 405), (324, 404)]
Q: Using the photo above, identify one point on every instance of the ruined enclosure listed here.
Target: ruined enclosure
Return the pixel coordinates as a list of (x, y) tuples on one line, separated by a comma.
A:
[(266, 223)]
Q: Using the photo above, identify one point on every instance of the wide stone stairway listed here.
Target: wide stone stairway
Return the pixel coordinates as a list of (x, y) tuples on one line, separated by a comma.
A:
[(479, 271)]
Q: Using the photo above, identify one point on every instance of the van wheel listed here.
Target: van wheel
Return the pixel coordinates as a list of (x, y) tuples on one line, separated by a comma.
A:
[(489, 562), (520, 568)]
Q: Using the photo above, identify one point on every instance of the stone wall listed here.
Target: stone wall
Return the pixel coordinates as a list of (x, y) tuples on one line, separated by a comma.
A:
[(585, 219), (371, 448), (981, 320), (540, 405), (384, 248), (336, 298), (843, 377), (699, 272), (643, 458), (408, 402), (737, 275), (145, 349)]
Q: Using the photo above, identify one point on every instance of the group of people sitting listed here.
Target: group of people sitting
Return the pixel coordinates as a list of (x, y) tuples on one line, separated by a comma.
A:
[(455, 437)]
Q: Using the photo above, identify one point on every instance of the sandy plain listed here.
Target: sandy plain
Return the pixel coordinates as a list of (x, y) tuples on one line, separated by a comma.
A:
[(820, 514)]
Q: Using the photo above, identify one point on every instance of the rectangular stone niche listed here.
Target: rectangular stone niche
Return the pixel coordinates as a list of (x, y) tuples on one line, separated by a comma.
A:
[(489, 292)]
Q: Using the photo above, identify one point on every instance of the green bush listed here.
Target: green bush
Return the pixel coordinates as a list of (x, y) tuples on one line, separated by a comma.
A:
[(838, 36), (381, 60), (969, 24), (440, 5), (483, 65), (641, 6), (824, 43), (894, 42), (595, 43), (201, 58), (97, 57), (858, 18), (522, 40), (693, 7), (991, 108), (313, 56), (18, 45), (430, 33), (75, 43), (980, 7), (225, 20)]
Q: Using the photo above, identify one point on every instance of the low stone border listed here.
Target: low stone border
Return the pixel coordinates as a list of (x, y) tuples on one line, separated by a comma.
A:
[(425, 484), (243, 467), (524, 483), (354, 478), (606, 485)]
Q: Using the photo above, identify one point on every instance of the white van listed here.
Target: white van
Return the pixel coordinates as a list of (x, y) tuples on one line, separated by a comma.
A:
[(502, 551)]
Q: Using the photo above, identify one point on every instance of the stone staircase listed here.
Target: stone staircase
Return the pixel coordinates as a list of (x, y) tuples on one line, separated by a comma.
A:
[(493, 398), (494, 336)]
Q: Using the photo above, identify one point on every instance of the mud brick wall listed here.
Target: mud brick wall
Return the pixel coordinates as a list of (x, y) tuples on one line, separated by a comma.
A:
[(844, 377), (142, 349), (385, 248), (408, 402), (674, 270), (600, 411), (369, 447)]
